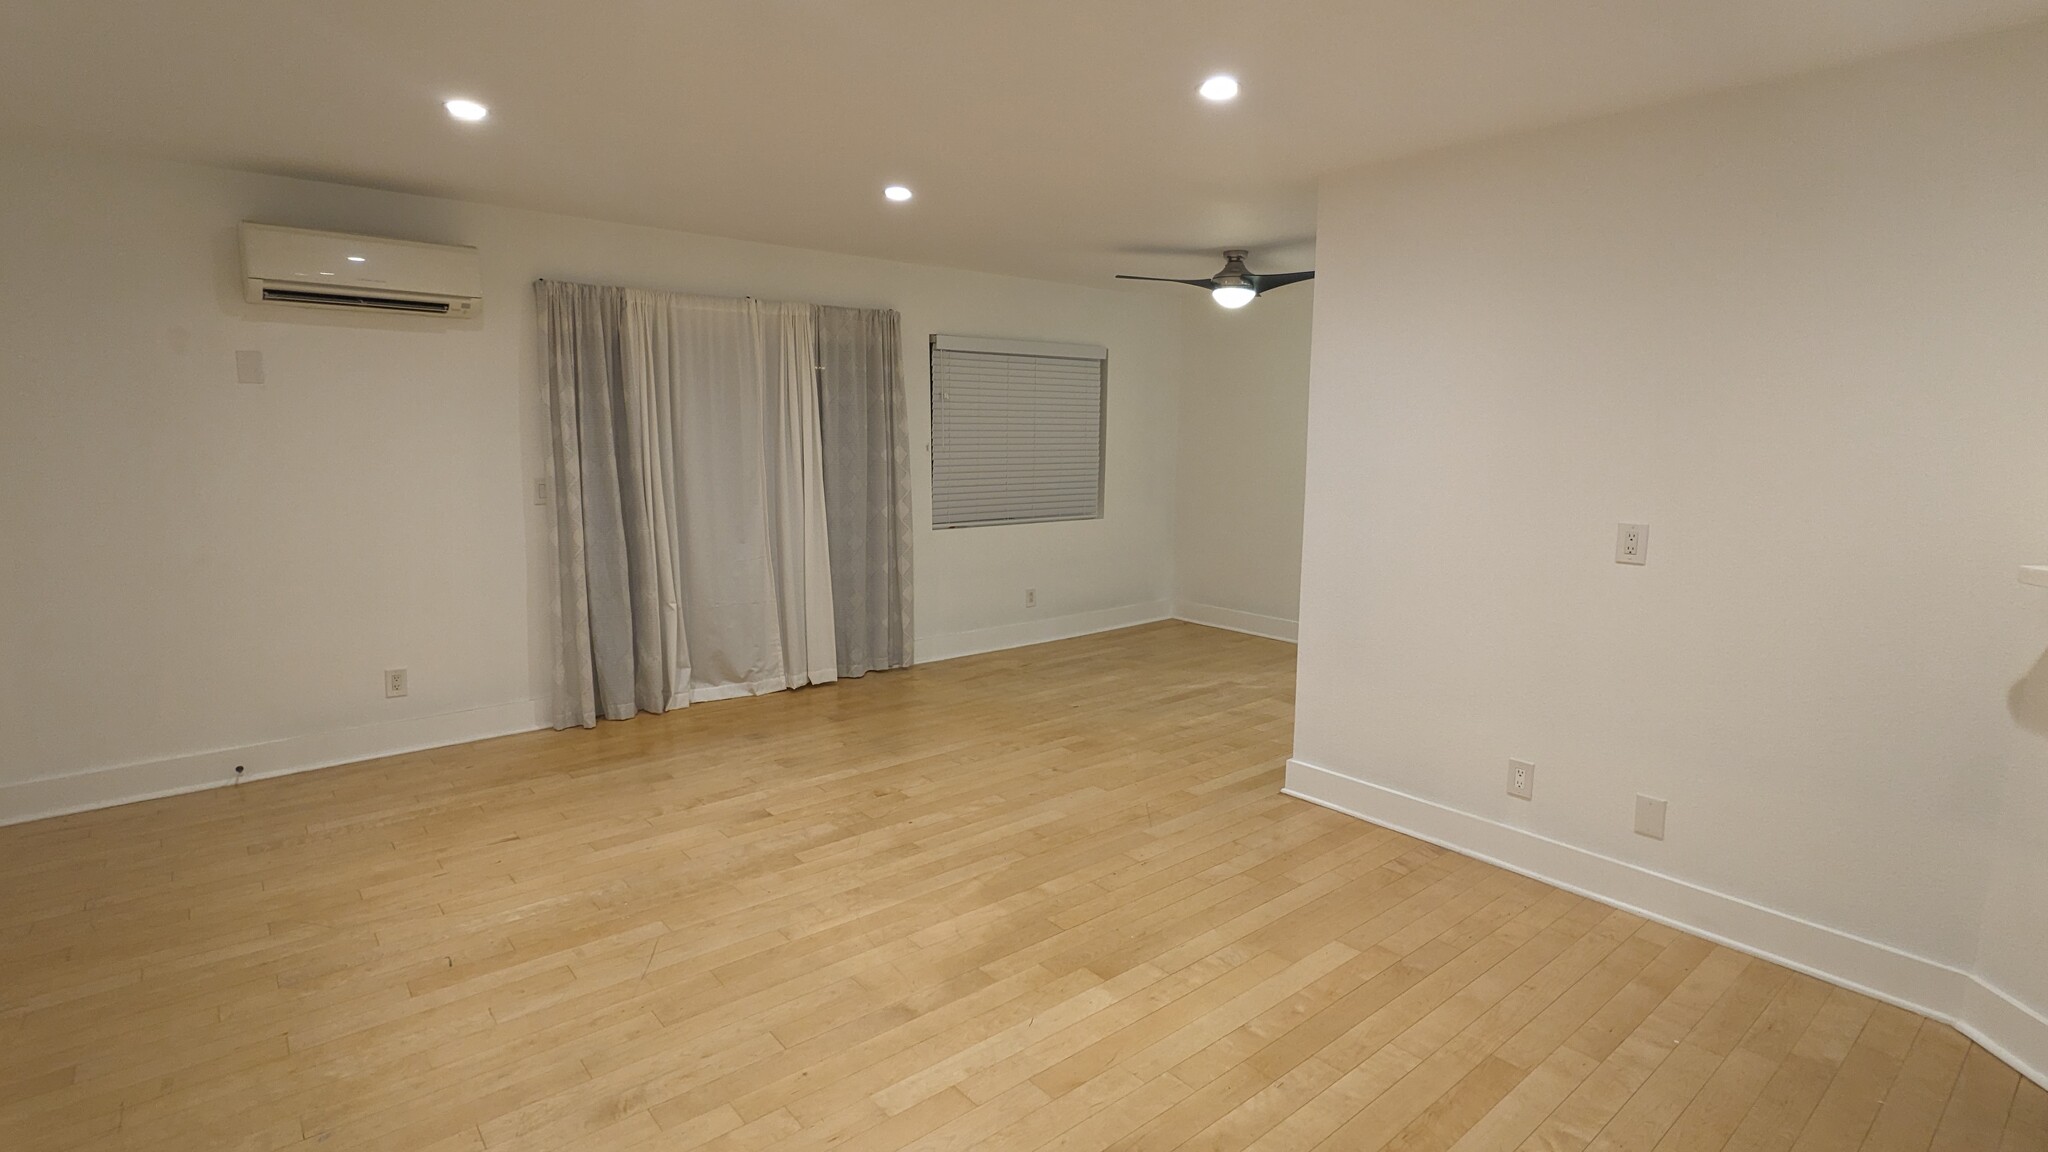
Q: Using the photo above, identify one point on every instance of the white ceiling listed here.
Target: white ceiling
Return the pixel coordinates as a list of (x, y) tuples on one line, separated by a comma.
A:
[(1057, 138)]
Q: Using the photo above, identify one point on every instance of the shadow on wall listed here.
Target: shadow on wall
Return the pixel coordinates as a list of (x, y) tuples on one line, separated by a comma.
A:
[(2028, 699)]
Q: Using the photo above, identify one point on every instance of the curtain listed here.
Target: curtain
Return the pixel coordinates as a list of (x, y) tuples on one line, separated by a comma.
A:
[(692, 551), (867, 486)]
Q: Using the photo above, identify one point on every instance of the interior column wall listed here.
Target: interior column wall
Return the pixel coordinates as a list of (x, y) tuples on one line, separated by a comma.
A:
[(1797, 330)]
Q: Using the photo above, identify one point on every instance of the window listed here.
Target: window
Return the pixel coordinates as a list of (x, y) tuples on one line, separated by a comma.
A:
[(1016, 431)]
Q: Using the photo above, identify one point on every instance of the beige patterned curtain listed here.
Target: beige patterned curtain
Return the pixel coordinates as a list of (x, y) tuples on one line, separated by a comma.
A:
[(867, 486)]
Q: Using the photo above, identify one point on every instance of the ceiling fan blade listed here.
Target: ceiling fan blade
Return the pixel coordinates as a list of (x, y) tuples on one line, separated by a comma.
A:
[(1209, 283), (1267, 281)]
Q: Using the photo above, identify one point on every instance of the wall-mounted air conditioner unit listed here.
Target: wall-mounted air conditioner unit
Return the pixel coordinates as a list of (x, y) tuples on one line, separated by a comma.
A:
[(336, 270)]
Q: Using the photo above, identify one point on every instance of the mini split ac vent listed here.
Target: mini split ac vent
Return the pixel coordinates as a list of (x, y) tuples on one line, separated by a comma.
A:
[(367, 273), (345, 300)]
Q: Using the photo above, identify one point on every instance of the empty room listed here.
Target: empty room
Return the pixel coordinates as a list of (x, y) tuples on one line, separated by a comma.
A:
[(1054, 576)]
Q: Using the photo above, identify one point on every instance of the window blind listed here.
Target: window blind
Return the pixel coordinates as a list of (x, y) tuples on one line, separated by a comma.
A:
[(1016, 431)]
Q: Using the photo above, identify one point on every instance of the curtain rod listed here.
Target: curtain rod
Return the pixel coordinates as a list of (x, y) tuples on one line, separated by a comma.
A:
[(710, 296)]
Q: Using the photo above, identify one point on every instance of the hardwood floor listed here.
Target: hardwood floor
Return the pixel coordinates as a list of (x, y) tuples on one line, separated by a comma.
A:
[(1040, 899)]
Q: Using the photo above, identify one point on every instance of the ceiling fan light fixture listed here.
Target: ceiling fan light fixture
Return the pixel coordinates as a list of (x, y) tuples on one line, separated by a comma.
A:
[(1236, 285), (1232, 295)]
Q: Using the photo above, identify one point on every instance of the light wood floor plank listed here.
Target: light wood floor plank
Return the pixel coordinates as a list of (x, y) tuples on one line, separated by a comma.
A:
[(1045, 900)]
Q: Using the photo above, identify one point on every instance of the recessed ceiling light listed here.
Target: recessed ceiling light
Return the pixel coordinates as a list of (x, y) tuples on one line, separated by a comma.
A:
[(1219, 88), (896, 192), (357, 259), (466, 110)]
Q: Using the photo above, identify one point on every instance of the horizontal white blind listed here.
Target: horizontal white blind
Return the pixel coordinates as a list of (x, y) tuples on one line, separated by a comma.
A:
[(1016, 437)]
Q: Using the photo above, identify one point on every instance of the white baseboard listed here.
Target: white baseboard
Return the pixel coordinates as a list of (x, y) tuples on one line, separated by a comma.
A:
[(2004, 1026), (948, 645), (1271, 627), (127, 783)]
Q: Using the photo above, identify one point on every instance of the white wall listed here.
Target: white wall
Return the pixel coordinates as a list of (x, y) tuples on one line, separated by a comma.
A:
[(2013, 952), (197, 573), (1799, 330), (1243, 450)]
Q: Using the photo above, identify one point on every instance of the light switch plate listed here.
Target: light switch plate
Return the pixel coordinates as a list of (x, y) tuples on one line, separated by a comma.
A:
[(1650, 816), (248, 367)]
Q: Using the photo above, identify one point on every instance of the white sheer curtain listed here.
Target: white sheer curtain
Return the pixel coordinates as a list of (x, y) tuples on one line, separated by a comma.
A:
[(689, 510)]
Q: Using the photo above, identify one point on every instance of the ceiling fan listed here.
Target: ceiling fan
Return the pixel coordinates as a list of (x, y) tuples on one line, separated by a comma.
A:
[(1235, 286)]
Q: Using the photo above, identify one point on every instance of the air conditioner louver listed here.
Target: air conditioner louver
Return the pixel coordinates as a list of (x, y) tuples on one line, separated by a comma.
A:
[(341, 300)]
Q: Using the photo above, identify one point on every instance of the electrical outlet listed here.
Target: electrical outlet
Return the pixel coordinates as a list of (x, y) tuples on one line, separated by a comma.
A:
[(1031, 597), (1631, 543), (1650, 816), (1521, 779), (394, 682), (540, 492)]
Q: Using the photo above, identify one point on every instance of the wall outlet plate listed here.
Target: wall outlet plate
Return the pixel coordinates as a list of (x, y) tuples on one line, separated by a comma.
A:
[(1031, 597), (1650, 816), (1631, 543), (394, 682), (1521, 779)]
